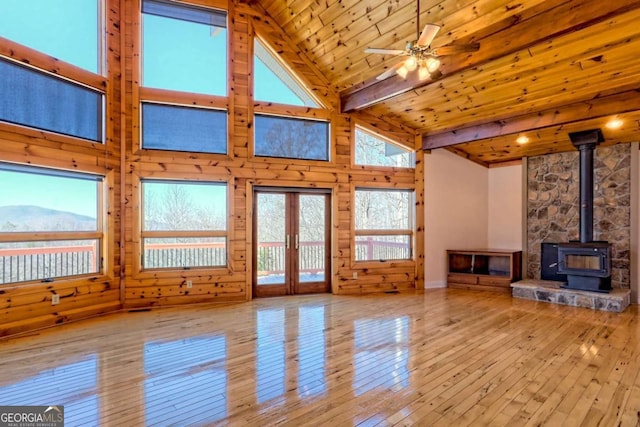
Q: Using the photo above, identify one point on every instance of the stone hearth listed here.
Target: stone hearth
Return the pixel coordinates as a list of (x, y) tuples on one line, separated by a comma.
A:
[(547, 291)]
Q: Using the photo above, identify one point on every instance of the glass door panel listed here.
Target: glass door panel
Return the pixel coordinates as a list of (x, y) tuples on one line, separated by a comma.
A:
[(311, 232), (271, 239), (311, 238)]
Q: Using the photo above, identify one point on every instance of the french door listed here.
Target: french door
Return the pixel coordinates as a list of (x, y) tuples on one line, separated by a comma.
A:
[(291, 242)]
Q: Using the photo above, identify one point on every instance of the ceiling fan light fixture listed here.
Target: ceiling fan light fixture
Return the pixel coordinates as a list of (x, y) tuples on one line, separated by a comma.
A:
[(402, 71), (433, 64), (411, 63), (423, 72)]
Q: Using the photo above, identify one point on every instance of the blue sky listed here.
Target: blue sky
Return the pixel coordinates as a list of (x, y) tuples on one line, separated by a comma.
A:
[(44, 25), (64, 194)]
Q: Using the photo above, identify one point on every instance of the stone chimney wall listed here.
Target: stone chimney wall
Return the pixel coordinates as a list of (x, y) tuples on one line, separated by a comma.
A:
[(553, 213)]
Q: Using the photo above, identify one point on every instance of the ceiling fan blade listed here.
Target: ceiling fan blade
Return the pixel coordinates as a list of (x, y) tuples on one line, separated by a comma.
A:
[(428, 34), (383, 51), (454, 49), (390, 72)]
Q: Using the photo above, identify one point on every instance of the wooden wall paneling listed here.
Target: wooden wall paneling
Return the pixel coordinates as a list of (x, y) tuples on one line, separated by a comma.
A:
[(113, 246), (248, 247), (75, 298), (124, 163), (125, 85), (419, 239), (28, 323), (186, 98), (163, 301), (17, 296), (27, 306)]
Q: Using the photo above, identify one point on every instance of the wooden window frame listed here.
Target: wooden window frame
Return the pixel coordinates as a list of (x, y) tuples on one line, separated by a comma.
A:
[(99, 234), (410, 232), (142, 94), (44, 63), (360, 127), (143, 234), (326, 119)]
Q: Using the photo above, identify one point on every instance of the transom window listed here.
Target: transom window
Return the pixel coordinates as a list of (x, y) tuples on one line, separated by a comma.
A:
[(184, 48), (50, 224), (69, 30), (178, 128), (383, 224), (184, 224), (291, 138), (374, 150)]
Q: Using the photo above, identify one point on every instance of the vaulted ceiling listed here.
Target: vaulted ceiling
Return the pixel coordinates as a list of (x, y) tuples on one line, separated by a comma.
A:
[(544, 68)]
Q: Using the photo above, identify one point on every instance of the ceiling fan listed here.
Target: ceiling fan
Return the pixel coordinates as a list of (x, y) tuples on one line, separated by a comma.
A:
[(420, 53)]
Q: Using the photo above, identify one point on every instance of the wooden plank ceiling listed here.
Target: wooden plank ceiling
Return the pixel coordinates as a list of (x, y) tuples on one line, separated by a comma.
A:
[(544, 68)]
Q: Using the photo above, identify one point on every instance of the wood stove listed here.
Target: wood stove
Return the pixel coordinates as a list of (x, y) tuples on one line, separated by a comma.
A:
[(586, 263)]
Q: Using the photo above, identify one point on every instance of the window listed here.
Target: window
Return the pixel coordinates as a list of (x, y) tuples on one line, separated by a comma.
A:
[(184, 48), (373, 150), (383, 224), (32, 98), (291, 138), (275, 83), (168, 127), (64, 208), (184, 224), (65, 29)]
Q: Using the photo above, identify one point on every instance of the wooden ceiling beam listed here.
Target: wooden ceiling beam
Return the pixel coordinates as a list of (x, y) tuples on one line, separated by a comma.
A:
[(513, 35), (618, 103)]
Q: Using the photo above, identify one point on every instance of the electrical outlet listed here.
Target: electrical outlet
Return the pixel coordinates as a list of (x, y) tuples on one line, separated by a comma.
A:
[(189, 284), (355, 274), (55, 299)]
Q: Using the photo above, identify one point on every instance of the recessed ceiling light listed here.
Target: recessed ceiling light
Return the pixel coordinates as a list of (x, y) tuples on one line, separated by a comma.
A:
[(522, 139), (614, 124)]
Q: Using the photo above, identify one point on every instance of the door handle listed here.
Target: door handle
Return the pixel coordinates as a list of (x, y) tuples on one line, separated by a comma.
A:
[(297, 242), (288, 241)]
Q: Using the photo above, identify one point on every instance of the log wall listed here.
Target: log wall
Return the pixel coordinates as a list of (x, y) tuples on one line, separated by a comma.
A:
[(27, 306), (125, 285)]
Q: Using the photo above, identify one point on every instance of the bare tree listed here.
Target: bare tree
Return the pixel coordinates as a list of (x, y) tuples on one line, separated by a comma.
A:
[(292, 139)]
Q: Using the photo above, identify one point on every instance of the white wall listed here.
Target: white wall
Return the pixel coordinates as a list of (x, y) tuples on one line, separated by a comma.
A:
[(505, 207), (456, 209)]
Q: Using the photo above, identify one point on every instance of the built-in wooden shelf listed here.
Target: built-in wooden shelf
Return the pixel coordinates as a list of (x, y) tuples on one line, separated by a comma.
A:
[(484, 269)]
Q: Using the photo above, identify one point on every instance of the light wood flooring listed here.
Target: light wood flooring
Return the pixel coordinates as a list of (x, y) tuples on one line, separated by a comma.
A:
[(441, 358)]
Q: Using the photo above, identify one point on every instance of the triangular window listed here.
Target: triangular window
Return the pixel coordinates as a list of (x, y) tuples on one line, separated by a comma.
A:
[(373, 150), (273, 82)]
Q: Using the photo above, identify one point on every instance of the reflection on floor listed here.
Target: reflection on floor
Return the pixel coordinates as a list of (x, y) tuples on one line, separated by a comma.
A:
[(438, 358)]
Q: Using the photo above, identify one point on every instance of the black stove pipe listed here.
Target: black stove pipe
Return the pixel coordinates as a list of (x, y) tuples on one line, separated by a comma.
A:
[(586, 142), (586, 192)]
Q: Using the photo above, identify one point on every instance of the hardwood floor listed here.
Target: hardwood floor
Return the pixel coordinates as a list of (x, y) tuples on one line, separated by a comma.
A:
[(442, 358)]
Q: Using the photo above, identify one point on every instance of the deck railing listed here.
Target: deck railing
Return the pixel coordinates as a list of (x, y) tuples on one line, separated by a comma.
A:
[(43, 263)]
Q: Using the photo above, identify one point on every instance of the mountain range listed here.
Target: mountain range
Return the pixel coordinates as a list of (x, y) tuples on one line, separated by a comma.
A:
[(37, 218)]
